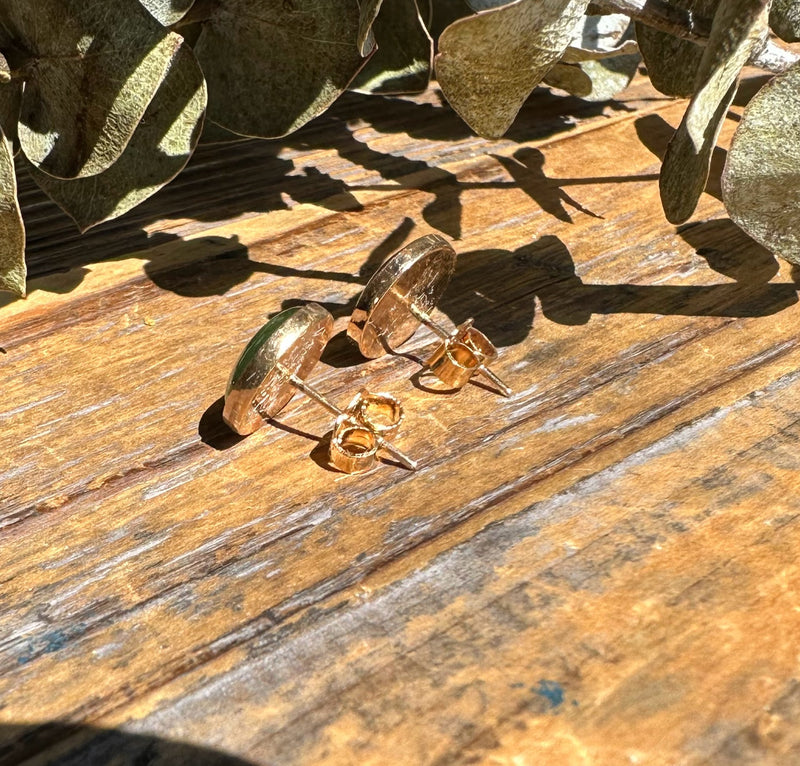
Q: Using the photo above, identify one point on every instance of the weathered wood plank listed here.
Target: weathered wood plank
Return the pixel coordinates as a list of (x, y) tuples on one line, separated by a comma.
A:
[(159, 573)]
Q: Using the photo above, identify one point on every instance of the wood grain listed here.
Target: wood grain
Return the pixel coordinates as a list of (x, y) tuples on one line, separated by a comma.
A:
[(599, 570)]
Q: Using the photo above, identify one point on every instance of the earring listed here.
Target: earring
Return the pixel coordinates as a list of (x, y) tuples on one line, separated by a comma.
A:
[(400, 296), (274, 365)]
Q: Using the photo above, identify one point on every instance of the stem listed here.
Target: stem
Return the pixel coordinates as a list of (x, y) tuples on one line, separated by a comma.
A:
[(659, 14)]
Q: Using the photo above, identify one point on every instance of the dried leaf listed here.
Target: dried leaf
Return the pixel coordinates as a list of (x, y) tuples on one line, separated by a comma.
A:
[(12, 231), (5, 70), (761, 179), (605, 53), (442, 13), (489, 63), (366, 37), (216, 134), (610, 76), (600, 37), (784, 18), (486, 5), (571, 78), (578, 55), (672, 63), (271, 67), (158, 150), (10, 101), (95, 69), (168, 12), (403, 61), (738, 26)]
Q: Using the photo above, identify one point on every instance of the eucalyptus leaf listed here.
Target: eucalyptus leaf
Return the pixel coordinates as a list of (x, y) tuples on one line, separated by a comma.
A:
[(738, 26), (761, 179), (784, 18), (489, 63), (600, 37), (168, 12), (486, 5), (158, 150), (426, 12), (671, 62), (215, 134), (442, 13), (92, 69), (273, 66), (12, 230), (366, 37), (610, 76), (10, 101), (577, 55), (403, 60), (570, 78)]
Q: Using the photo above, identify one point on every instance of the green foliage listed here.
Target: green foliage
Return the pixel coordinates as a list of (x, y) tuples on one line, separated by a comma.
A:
[(761, 180), (104, 102), (738, 26)]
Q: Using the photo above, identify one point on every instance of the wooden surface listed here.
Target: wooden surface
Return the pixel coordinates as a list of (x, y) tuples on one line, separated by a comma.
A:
[(601, 569)]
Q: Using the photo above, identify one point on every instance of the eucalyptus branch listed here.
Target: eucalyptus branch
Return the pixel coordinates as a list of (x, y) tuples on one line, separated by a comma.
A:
[(660, 15), (769, 55)]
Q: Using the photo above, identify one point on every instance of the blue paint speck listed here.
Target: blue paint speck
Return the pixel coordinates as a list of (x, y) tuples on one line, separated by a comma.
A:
[(552, 691), (53, 641), (49, 642)]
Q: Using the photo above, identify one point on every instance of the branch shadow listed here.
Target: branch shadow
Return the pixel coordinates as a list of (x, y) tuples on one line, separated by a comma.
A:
[(62, 744), (227, 180), (499, 287)]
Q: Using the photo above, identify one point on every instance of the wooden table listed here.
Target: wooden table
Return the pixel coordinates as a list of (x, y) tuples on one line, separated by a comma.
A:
[(601, 569)]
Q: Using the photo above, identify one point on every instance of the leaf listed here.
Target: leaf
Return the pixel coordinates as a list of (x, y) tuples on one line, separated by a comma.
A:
[(93, 68), (5, 70), (605, 54), (158, 150), (215, 134), (672, 63), (579, 55), (403, 60), (168, 12), (486, 5), (489, 63), (784, 18), (366, 38), (273, 66), (610, 76), (600, 37), (738, 26), (571, 78), (12, 231), (761, 179), (442, 13), (10, 101)]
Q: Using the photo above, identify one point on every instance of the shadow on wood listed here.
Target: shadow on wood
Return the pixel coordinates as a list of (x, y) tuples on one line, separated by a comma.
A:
[(76, 745)]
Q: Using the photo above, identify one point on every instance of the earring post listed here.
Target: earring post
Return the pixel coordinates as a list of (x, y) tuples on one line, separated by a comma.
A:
[(428, 321), (320, 399)]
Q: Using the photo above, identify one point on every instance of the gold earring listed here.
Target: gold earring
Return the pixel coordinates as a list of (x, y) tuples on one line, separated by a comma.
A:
[(273, 367), (400, 296)]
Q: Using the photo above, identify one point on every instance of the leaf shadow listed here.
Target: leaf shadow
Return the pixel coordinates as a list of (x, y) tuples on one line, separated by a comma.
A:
[(655, 133), (62, 744), (499, 287), (224, 181)]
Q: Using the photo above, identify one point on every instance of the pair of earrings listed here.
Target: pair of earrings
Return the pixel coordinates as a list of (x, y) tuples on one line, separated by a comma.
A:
[(396, 300)]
